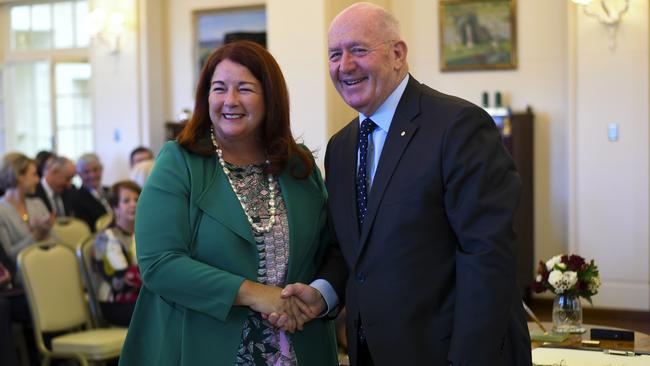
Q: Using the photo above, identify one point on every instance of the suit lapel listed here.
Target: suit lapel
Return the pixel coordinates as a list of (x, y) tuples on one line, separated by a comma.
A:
[(40, 192), (219, 202), (348, 161), (400, 133)]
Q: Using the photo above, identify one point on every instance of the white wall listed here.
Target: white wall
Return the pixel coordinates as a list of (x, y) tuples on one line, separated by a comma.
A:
[(296, 38), (611, 178), (116, 99), (129, 87)]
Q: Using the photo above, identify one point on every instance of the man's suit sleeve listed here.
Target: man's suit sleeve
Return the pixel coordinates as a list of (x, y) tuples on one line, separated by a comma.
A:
[(333, 270), (482, 190)]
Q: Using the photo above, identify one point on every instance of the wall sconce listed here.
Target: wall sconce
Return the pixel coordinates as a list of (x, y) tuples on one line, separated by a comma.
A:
[(606, 15), (107, 26)]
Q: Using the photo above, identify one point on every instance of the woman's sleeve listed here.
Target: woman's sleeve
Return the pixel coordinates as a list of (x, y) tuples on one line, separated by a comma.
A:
[(164, 231), (12, 248)]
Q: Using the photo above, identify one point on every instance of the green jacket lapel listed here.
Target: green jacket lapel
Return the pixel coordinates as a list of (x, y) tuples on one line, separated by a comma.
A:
[(300, 197), (220, 202)]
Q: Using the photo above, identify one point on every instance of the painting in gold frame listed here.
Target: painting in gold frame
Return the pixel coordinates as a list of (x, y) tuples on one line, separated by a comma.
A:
[(213, 28), (477, 35)]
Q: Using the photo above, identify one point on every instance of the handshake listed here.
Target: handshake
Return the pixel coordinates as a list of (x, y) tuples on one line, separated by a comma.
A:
[(288, 309)]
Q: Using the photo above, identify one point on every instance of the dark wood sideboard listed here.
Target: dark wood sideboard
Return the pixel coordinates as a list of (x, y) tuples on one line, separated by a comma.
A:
[(172, 129)]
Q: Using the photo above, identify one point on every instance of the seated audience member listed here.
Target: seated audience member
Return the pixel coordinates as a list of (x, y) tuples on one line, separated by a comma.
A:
[(7, 347), (118, 277), (139, 154), (55, 188), (23, 220), (141, 171), (13, 309), (90, 200), (42, 157)]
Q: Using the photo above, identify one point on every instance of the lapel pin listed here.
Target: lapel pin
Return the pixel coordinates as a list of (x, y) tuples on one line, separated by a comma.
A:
[(403, 133)]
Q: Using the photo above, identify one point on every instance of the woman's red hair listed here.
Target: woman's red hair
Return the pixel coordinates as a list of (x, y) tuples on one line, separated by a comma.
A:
[(280, 145)]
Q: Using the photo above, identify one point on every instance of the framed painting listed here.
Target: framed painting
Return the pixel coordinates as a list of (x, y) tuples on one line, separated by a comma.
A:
[(214, 28), (477, 35)]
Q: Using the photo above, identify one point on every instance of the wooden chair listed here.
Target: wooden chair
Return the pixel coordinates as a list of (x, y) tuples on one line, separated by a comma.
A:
[(70, 231), (55, 295)]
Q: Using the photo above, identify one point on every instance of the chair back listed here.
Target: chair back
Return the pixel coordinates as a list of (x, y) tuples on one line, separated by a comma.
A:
[(53, 287), (70, 231), (85, 257), (103, 221)]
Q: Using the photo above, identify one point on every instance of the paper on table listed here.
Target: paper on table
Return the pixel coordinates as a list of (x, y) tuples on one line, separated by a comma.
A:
[(573, 357)]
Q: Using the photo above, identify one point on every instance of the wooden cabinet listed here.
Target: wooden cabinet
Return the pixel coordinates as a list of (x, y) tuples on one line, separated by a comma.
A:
[(172, 129), (517, 131)]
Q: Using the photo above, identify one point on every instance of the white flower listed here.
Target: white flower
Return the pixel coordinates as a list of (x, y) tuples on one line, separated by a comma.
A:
[(594, 284), (538, 278), (562, 281), (570, 278), (554, 278), (551, 262), (561, 266)]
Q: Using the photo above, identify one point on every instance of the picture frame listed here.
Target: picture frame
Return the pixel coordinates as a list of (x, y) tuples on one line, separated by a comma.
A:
[(215, 27), (477, 35)]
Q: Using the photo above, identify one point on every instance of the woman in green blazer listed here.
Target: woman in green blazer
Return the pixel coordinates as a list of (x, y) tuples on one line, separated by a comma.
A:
[(232, 212)]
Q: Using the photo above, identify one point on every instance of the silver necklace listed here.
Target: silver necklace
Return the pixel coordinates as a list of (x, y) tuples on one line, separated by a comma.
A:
[(272, 208)]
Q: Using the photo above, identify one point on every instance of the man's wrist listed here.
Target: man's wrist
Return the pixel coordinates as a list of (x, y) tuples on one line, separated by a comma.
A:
[(328, 295)]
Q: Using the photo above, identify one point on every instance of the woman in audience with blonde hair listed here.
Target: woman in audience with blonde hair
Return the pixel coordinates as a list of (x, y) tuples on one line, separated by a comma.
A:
[(115, 261), (23, 220)]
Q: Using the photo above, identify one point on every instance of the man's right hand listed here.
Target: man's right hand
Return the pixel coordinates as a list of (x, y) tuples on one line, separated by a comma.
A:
[(311, 303)]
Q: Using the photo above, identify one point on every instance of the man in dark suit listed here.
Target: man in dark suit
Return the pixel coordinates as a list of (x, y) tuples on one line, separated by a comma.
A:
[(91, 198), (422, 196), (55, 188)]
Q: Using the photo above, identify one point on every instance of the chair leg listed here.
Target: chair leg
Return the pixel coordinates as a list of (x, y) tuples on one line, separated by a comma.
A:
[(82, 360), (46, 361)]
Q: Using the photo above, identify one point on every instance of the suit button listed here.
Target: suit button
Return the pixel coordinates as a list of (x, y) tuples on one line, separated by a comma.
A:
[(361, 277)]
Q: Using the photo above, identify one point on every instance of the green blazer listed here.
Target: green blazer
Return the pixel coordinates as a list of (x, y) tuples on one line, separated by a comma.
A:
[(195, 247)]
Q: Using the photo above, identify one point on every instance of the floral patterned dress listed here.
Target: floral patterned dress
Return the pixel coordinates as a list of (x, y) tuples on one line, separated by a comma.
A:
[(261, 343)]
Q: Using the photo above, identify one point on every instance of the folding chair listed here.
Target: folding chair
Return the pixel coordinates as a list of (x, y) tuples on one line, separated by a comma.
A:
[(54, 292), (85, 255), (70, 231), (103, 221)]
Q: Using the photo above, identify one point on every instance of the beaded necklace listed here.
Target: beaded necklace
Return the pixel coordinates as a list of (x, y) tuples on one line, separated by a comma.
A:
[(272, 204)]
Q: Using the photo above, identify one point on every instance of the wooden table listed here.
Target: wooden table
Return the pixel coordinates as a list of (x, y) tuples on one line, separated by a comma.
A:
[(641, 340)]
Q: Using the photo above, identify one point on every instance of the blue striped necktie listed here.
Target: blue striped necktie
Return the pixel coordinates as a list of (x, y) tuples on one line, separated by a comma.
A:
[(362, 180)]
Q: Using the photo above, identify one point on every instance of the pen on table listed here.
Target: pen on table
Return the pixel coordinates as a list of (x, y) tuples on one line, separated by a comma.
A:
[(532, 316), (619, 352)]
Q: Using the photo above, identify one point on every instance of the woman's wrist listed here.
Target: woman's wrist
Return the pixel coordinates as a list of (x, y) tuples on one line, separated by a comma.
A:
[(246, 294)]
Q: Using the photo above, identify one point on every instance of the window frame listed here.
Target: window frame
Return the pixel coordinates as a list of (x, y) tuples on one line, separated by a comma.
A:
[(52, 56)]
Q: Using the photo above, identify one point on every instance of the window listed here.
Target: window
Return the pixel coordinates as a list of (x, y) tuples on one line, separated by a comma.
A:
[(49, 76), (55, 25), (73, 115)]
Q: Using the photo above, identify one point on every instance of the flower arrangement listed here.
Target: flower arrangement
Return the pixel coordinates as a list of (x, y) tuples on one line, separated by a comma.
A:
[(568, 274)]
